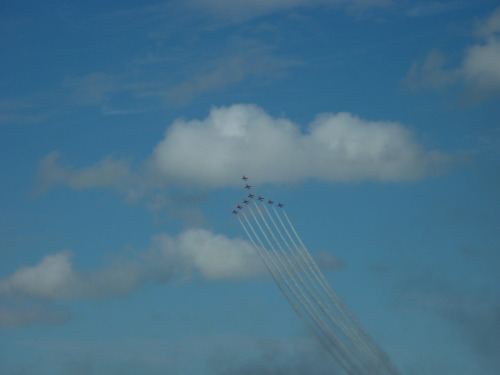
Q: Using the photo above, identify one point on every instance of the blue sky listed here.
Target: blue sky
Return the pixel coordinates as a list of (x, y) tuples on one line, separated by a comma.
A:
[(125, 130)]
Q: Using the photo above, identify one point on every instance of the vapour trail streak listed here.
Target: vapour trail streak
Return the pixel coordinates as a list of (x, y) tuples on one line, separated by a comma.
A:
[(300, 296), (302, 263), (319, 298), (341, 322), (377, 352), (273, 271), (348, 317), (278, 278), (356, 328), (306, 302), (323, 302), (305, 255)]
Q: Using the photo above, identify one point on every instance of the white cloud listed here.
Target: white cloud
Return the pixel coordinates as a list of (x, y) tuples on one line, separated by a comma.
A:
[(30, 294), (193, 252), (52, 278), (244, 139), (239, 139), (209, 255), (481, 66), (479, 69)]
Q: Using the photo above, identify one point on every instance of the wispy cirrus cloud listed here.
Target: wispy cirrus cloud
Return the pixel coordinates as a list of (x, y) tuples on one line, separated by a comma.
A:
[(430, 8), (241, 61), (94, 88), (147, 84), (241, 10), (30, 109), (15, 314), (107, 172)]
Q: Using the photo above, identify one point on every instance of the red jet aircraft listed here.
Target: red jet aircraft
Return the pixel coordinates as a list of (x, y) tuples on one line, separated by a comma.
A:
[(248, 186)]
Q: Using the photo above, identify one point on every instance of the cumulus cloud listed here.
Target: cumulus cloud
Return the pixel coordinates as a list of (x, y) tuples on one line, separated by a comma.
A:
[(481, 66), (30, 293), (479, 70), (51, 278), (195, 252), (54, 278), (213, 256), (242, 138), (336, 147)]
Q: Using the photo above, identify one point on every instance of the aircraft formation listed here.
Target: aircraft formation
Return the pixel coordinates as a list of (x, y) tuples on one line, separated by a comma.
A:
[(251, 196), (302, 283)]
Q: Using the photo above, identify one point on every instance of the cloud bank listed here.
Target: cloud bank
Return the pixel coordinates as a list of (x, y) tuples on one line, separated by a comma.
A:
[(243, 138)]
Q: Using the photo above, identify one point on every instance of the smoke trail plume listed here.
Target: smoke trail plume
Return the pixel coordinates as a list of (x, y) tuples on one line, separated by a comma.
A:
[(304, 286)]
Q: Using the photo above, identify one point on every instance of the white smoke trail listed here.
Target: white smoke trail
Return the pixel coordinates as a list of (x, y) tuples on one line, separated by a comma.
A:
[(322, 300), (303, 284), (306, 302), (278, 278), (381, 356), (328, 304), (303, 264)]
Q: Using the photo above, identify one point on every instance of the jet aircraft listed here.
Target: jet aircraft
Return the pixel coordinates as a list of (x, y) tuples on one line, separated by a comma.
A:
[(260, 198), (239, 207), (250, 195), (245, 201), (235, 212), (244, 178), (270, 201), (280, 205), (248, 186)]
